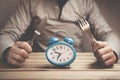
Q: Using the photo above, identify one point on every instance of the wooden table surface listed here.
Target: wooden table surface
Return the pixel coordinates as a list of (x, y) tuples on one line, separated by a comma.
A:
[(38, 68)]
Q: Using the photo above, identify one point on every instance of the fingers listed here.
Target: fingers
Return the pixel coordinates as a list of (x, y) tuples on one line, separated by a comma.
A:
[(24, 45), (14, 62), (18, 53), (103, 50), (109, 62), (97, 45), (16, 59), (106, 56), (104, 53)]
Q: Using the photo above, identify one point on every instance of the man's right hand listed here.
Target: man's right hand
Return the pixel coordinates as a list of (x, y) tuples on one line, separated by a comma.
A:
[(18, 53)]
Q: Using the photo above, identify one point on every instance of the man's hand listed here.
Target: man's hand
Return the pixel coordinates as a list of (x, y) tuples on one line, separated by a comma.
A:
[(104, 53), (18, 53)]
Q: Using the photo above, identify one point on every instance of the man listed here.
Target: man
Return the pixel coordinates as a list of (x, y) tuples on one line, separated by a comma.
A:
[(50, 16)]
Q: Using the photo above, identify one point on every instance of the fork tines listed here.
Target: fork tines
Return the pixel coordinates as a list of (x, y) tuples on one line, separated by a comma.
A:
[(83, 24)]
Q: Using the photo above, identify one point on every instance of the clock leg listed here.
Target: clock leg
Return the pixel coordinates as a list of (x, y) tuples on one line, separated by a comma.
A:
[(68, 66)]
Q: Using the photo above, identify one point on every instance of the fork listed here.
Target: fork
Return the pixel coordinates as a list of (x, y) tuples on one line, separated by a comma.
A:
[(85, 26), (30, 42)]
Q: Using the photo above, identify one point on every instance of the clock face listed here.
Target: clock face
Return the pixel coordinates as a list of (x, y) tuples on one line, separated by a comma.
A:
[(60, 54)]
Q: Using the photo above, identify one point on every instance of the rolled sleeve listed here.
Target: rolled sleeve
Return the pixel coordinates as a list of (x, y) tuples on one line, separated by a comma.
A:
[(100, 28), (16, 26), (5, 42), (114, 43)]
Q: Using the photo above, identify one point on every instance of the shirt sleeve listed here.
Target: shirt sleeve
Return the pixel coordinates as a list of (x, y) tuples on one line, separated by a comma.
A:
[(17, 24), (99, 27)]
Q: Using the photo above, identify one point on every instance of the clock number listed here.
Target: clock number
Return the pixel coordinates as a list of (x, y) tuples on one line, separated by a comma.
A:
[(53, 57), (60, 60), (67, 49), (64, 47), (67, 57), (57, 47), (61, 47), (54, 49), (51, 53)]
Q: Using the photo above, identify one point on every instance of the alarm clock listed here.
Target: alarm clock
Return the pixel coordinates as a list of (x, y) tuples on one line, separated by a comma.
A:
[(61, 53)]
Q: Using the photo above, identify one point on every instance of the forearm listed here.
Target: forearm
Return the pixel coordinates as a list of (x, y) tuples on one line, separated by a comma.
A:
[(16, 26), (101, 29), (114, 43), (5, 42)]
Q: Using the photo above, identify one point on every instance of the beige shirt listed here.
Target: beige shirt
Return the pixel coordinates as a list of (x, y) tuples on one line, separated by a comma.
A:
[(43, 16)]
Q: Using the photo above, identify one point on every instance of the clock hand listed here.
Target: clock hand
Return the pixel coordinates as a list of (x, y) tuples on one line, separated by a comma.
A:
[(59, 54)]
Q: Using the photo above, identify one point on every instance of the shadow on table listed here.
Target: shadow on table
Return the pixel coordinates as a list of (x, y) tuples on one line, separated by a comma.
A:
[(55, 67), (98, 65)]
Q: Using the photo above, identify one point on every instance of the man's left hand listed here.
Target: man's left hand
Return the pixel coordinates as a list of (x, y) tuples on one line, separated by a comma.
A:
[(103, 52)]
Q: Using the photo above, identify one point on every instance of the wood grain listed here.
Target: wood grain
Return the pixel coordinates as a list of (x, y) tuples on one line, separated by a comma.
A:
[(38, 68)]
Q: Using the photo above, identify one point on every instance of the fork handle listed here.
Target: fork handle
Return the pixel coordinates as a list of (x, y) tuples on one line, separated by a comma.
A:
[(91, 37), (30, 42)]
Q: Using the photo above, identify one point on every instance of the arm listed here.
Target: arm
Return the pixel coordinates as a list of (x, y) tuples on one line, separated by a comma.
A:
[(108, 42), (15, 27)]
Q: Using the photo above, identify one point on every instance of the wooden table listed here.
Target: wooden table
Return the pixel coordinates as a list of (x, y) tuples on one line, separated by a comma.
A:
[(38, 68)]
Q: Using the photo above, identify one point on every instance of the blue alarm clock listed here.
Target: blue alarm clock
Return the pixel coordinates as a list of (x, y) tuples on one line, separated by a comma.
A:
[(61, 53)]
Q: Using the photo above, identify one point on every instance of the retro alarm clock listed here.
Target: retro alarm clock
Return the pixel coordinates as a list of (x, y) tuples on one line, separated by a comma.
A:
[(61, 53)]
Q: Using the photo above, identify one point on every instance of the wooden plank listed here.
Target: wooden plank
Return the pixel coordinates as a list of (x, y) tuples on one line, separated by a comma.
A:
[(58, 75), (73, 67), (37, 67), (42, 63), (42, 55), (79, 53)]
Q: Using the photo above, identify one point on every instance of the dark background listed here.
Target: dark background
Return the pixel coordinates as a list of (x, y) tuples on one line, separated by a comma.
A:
[(109, 8)]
